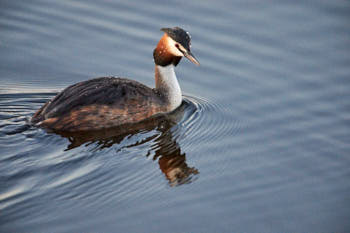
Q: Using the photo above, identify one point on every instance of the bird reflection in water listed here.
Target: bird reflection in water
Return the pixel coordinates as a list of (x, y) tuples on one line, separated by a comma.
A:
[(171, 160)]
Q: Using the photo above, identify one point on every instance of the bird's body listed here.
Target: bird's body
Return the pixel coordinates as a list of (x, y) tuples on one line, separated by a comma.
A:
[(107, 102)]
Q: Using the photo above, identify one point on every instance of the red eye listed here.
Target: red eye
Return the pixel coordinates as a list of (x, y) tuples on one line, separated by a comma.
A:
[(177, 46)]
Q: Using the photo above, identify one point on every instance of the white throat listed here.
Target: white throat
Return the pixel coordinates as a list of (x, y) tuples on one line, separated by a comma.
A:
[(167, 83)]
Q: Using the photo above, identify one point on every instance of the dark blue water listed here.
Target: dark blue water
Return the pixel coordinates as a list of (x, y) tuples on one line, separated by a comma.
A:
[(260, 144)]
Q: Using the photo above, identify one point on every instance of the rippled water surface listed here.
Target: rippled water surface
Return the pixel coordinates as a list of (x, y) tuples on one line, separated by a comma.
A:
[(261, 142)]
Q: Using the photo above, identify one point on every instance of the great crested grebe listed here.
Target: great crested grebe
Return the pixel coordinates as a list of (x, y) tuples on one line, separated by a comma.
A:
[(108, 101)]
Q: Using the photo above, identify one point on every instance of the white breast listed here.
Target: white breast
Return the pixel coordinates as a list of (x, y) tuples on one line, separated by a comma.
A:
[(171, 85)]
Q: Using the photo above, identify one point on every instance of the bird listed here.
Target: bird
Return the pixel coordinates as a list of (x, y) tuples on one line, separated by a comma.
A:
[(105, 102)]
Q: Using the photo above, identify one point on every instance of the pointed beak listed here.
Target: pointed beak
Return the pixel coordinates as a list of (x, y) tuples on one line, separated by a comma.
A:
[(191, 57)]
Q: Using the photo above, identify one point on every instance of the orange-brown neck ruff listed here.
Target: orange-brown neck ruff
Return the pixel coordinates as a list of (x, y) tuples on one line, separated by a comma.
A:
[(162, 55), (166, 57)]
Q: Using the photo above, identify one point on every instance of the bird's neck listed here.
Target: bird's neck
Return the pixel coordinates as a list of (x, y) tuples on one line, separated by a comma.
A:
[(168, 86)]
